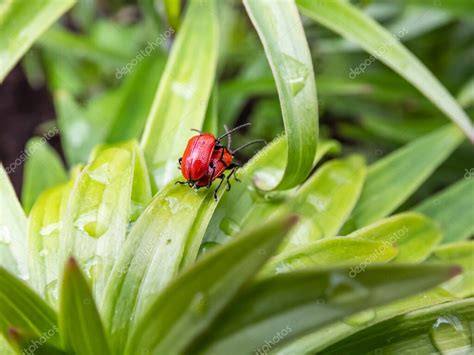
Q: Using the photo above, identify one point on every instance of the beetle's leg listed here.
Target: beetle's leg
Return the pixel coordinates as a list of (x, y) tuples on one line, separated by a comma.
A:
[(211, 165), (181, 182), (179, 162), (234, 167), (222, 177)]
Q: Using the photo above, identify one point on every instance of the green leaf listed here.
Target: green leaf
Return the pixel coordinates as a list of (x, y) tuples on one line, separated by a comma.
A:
[(381, 44), (330, 252), (36, 178), (414, 235), (461, 8), (81, 328), (23, 309), (134, 101), (444, 328), (26, 344), (211, 120), (285, 301), (279, 27), (97, 216), (201, 292), (460, 253), (44, 226), (181, 100), (13, 250), (173, 10), (317, 341), (392, 179), (235, 205), (452, 204), (80, 132), (164, 240), (21, 23)]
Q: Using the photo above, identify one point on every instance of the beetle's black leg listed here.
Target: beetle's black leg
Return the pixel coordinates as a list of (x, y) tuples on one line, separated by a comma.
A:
[(211, 165), (232, 173), (181, 182), (222, 177)]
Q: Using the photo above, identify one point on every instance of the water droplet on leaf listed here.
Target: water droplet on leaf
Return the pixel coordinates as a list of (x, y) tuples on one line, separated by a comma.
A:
[(450, 334), (229, 226)]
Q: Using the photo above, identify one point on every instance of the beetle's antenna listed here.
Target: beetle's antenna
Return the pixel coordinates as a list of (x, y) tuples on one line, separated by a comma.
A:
[(249, 143), (196, 130), (229, 137), (233, 130)]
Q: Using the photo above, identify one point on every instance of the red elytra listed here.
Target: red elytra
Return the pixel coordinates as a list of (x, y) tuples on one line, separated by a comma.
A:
[(221, 161), (197, 156), (205, 159)]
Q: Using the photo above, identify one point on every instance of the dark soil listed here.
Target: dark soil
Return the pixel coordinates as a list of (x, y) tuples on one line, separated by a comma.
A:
[(22, 109)]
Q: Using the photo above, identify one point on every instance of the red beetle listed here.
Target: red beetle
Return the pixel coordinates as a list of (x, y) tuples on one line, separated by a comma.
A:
[(220, 159)]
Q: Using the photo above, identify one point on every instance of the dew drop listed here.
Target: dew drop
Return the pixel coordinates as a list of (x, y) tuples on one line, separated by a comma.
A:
[(267, 178), (343, 289), (295, 73), (173, 204), (51, 291), (206, 247), (200, 304), (49, 229), (101, 174), (90, 266), (449, 334), (87, 223), (5, 237), (361, 318), (229, 226)]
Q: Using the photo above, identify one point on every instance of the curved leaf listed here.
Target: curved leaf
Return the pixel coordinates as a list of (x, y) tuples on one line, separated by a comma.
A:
[(285, 301), (181, 100), (452, 204), (442, 328), (23, 309), (376, 40), (13, 250), (281, 32), (414, 235), (202, 291), (81, 328), (164, 239), (21, 23), (392, 179)]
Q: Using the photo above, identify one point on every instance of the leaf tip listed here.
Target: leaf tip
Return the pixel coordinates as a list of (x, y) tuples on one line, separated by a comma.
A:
[(455, 270)]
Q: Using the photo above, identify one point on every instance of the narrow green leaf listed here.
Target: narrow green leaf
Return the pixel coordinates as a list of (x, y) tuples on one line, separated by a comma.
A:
[(173, 10), (44, 226), (97, 215), (181, 100), (5, 347), (201, 292), (414, 235), (461, 8), (81, 328), (460, 253), (331, 252), (36, 178), (22, 308), (303, 301), (21, 23), (382, 45), (444, 328), (317, 341), (26, 344), (391, 180), (80, 132), (211, 120), (452, 204), (279, 27), (13, 250), (164, 239)]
